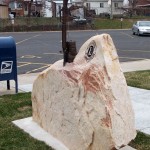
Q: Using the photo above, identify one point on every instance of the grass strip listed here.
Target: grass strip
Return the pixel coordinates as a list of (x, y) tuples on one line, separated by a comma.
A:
[(141, 142), (13, 107), (139, 79)]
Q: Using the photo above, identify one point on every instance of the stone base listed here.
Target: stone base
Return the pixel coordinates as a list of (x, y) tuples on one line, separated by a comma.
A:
[(34, 130), (31, 127), (127, 148)]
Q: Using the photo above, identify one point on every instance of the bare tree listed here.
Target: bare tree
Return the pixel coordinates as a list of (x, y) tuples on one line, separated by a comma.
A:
[(29, 8), (132, 8), (133, 3)]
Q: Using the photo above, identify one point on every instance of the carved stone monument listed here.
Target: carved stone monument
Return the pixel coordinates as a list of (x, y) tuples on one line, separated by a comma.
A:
[(86, 104)]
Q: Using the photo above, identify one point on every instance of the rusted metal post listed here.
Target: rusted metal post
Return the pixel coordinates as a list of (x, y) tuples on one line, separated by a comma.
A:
[(69, 47), (64, 30)]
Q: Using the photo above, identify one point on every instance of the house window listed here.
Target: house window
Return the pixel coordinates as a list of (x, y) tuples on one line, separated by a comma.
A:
[(12, 5), (19, 5), (25, 7), (116, 5), (88, 6), (101, 5)]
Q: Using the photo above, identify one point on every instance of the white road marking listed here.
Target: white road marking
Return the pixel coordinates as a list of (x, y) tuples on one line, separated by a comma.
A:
[(134, 58), (52, 54), (27, 39), (142, 51), (24, 65), (127, 35), (38, 69), (30, 56), (34, 63)]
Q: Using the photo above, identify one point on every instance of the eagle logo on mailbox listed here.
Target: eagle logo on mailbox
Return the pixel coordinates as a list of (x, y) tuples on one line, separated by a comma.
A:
[(6, 67)]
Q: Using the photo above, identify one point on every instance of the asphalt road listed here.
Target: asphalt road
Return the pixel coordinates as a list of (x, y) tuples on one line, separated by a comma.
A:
[(37, 50)]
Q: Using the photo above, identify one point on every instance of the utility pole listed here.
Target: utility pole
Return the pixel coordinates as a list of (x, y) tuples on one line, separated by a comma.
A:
[(69, 47), (64, 30), (111, 10)]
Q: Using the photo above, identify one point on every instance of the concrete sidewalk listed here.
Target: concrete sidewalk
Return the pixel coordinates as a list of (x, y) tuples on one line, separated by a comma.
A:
[(140, 97), (136, 65)]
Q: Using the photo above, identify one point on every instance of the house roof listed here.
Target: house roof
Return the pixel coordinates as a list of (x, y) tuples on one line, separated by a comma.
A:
[(60, 1), (103, 0), (3, 5), (143, 3)]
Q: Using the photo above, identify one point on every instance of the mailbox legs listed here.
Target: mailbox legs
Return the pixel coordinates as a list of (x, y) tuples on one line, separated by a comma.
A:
[(16, 85), (8, 85)]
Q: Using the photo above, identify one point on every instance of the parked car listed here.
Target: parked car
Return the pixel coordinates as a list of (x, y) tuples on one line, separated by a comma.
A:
[(141, 27), (80, 21)]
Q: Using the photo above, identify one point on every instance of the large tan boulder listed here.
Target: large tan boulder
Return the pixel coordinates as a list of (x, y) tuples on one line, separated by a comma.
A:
[(86, 104)]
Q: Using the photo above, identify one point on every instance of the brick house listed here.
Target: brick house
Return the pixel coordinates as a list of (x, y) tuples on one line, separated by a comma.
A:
[(143, 3), (16, 7)]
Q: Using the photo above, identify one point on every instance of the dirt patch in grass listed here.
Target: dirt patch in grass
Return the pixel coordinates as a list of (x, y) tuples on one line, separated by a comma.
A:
[(24, 108)]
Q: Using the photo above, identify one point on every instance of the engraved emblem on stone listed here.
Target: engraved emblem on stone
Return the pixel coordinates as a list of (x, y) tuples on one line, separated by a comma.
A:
[(90, 51)]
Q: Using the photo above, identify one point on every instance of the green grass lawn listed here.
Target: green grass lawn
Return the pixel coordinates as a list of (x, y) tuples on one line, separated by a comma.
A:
[(13, 107), (113, 24), (140, 79), (141, 142)]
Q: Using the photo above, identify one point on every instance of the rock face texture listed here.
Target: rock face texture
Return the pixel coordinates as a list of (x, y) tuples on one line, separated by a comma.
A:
[(86, 104)]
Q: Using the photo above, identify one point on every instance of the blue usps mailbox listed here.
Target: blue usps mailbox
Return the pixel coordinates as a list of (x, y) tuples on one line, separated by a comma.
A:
[(8, 61)]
